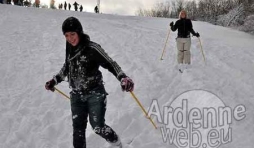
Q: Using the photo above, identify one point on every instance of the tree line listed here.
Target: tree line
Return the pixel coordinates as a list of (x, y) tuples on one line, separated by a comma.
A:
[(229, 13)]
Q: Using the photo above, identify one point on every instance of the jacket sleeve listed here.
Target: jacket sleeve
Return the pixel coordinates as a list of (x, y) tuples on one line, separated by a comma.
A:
[(191, 28), (174, 27), (62, 73), (60, 76), (106, 62)]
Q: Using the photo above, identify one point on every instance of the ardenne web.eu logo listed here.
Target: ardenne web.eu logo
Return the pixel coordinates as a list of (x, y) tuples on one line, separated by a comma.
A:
[(197, 119)]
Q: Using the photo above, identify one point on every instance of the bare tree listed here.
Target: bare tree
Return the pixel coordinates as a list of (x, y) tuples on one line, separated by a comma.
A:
[(180, 5), (139, 12), (191, 8), (166, 9), (248, 25), (159, 10), (174, 10)]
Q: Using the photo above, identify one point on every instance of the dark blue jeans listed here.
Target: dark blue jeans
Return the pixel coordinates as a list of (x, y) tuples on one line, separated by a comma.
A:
[(92, 104)]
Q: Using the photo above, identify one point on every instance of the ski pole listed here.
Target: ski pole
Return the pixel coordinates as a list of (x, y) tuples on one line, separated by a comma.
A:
[(60, 92), (163, 51), (201, 48), (133, 95)]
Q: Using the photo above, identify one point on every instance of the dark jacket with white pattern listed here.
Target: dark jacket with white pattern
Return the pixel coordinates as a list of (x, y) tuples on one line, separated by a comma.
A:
[(82, 65)]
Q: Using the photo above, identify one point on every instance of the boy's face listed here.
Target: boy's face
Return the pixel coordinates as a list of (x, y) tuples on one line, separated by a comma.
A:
[(72, 38)]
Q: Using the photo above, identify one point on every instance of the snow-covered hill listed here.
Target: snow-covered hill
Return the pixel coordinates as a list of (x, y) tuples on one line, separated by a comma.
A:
[(32, 50)]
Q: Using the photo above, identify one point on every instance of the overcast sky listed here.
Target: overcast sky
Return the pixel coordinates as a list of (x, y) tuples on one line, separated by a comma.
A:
[(121, 7)]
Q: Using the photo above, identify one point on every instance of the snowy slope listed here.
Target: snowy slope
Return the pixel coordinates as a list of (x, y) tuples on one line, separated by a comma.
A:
[(32, 51)]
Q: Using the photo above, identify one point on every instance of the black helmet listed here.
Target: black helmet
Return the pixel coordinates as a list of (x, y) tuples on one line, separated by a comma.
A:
[(72, 24)]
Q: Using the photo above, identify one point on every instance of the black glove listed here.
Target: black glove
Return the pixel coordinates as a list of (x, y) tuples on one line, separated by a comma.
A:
[(127, 84), (50, 85), (171, 24), (197, 35)]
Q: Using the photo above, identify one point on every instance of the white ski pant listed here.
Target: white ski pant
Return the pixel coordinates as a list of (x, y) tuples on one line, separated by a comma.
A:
[(183, 48)]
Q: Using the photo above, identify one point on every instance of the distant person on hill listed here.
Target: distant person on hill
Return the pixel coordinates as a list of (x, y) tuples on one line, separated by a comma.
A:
[(96, 9), (69, 6), (37, 3), (88, 97), (27, 3), (184, 27), (76, 6), (8, 1), (15, 2), (65, 5), (81, 8), (21, 2), (60, 6)]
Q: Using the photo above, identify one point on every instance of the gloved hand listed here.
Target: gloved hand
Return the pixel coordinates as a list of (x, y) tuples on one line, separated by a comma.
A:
[(127, 84), (50, 85), (171, 24), (197, 34)]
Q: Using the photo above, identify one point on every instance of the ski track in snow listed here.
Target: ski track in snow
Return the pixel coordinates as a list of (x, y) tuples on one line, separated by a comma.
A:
[(32, 50)]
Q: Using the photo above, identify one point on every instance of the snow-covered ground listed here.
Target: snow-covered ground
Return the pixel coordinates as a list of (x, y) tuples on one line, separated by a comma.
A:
[(32, 50)]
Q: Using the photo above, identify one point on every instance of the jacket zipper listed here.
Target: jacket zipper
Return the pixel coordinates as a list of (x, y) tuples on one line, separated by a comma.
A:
[(184, 27)]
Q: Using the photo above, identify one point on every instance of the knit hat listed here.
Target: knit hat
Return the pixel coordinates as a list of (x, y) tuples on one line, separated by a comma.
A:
[(72, 24)]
